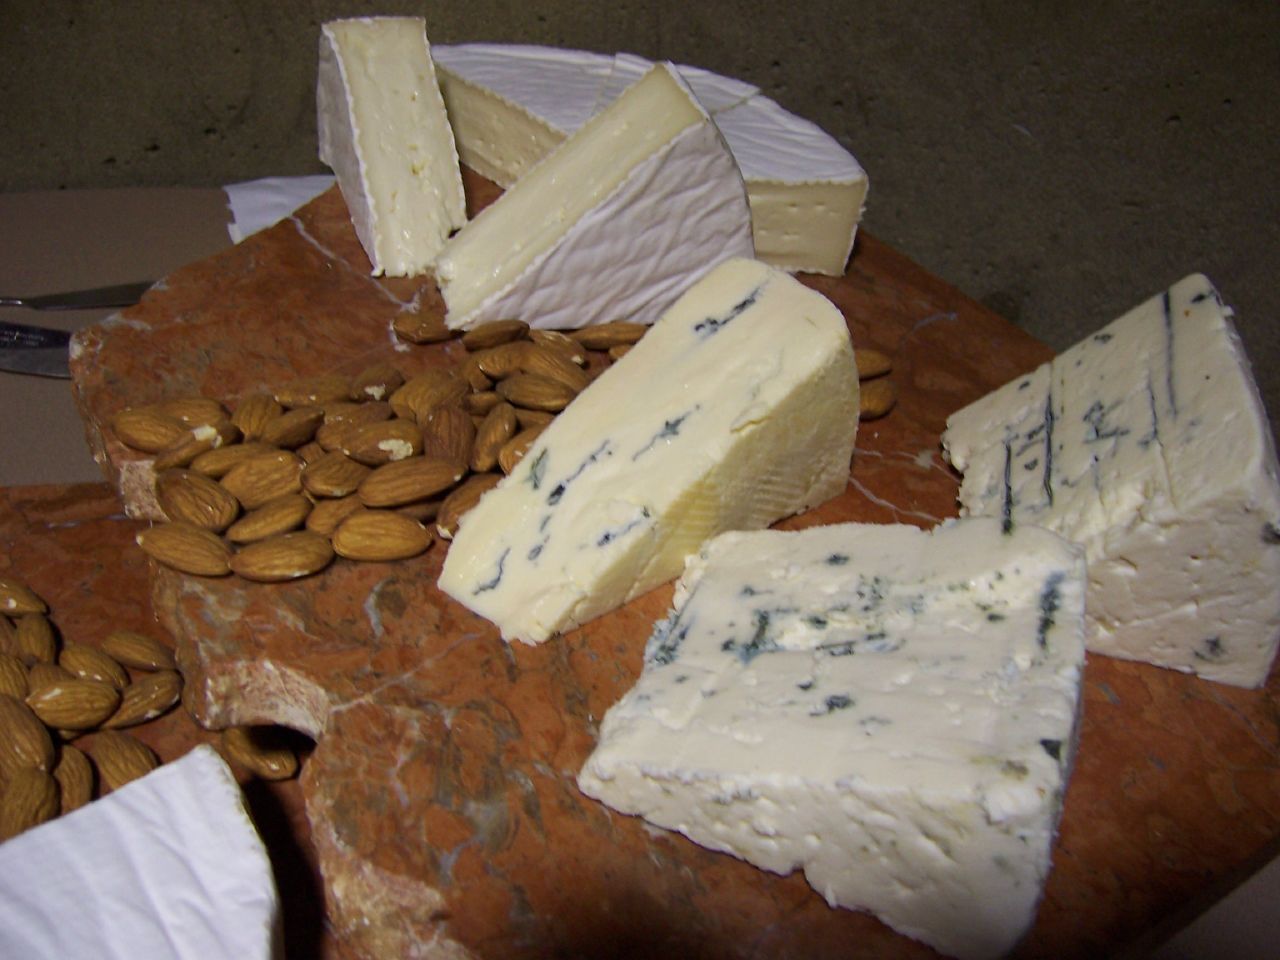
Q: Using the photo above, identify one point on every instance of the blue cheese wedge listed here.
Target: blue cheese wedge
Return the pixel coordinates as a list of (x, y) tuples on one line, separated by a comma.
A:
[(892, 710), (383, 129), (1146, 442), (739, 407), (510, 105), (612, 224)]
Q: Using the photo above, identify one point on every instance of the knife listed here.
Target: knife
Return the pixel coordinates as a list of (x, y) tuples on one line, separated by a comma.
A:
[(41, 351), (120, 295)]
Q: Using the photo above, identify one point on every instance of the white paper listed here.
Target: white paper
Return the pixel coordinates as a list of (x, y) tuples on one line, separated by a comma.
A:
[(258, 204)]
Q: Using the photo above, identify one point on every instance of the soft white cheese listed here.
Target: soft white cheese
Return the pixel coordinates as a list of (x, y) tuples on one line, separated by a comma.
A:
[(737, 408), (890, 709), (612, 224), (1148, 443), (383, 129), (512, 104)]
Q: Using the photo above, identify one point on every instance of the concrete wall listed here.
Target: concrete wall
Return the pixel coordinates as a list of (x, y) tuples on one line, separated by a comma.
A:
[(1058, 166)]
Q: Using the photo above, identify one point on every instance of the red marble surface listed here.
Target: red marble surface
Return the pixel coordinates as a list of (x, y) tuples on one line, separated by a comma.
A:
[(440, 800)]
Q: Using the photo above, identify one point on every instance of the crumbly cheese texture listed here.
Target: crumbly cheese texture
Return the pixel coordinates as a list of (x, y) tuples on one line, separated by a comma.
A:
[(1146, 442), (612, 224), (383, 129), (890, 709), (510, 105), (739, 407)]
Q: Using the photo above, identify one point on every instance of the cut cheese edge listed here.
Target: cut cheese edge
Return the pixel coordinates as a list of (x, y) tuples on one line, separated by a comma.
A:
[(892, 710), (383, 129), (510, 105), (1148, 443), (613, 224), (739, 407)]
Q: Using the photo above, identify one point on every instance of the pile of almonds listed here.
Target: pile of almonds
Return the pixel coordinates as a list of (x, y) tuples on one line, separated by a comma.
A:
[(355, 467), (52, 693), (359, 467)]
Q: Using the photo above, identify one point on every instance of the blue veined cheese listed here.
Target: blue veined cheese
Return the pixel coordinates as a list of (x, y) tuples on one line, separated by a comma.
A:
[(739, 407), (512, 104), (383, 129), (613, 224), (891, 709), (1148, 443)]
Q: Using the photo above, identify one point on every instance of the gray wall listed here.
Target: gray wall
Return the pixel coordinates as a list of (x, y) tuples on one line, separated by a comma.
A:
[(1059, 167)]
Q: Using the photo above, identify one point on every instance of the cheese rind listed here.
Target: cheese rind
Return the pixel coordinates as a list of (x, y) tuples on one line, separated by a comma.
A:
[(891, 709), (737, 408), (806, 191), (613, 224), (383, 129), (1146, 442)]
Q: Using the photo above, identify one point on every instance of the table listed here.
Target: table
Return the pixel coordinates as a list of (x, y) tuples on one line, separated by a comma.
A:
[(1165, 760)]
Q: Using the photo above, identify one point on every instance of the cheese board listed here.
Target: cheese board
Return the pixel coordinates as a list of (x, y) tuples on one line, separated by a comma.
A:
[(441, 808)]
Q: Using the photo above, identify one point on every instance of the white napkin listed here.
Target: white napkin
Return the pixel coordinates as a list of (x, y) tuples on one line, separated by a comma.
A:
[(167, 866), (258, 204)]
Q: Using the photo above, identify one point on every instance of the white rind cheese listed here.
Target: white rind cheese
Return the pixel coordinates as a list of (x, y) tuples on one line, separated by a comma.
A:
[(739, 407), (1146, 442), (891, 709), (383, 129), (613, 224), (512, 104)]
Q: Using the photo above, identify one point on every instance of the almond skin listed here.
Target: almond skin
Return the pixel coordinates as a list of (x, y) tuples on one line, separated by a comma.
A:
[(287, 556), (554, 365), (536, 392), (293, 428), (90, 663), (35, 640), (17, 598), (313, 391), (255, 749), (449, 434), (137, 650), (333, 475), (871, 363), (199, 440), (498, 426), (29, 799), (74, 704), (187, 548), (492, 334), (602, 336), (254, 412), (261, 478), (876, 398), (121, 758), (147, 429), (24, 740), (13, 676), (327, 514), (193, 410), (380, 535), (513, 450), (376, 383), (215, 463), (405, 481), (146, 698), (462, 499), (426, 327), (195, 498), (426, 391), (374, 444), (275, 516), (75, 777)]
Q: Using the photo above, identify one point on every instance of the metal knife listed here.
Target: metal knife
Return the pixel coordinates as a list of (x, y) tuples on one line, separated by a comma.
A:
[(120, 295), (41, 351)]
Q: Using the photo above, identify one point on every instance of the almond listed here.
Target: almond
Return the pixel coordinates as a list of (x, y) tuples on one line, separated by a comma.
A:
[(532, 418), (333, 475), (619, 350), (405, 481), (35, 639), (29, 799), (876, 398), (275, 516), (90, 663), (41, 675), (146, 698), (327, 514), (498, 426), (13, 676), (423, 511), (309, 453), (287, 556), (187, 548), (462, 499), (137, 650), (513, 450), (8, 635), (494, 333), (502, 361), (380, 535), (423, 393), (482, 402), (313, 391), (871, 363), (215, 463), (377, 382), (554, 365), (449, 434), (74, 774), (562, 343), (147, 429), (74, 704), (377, 443), (476, 378), (16, 598), (264, 477), (421, 327), (193, 410), (254, 412), (293, 428), (535, 392), (602, 336), (339, 423), (121, 758), (261, 751), (196, 499), (24, 740), (198, 440)]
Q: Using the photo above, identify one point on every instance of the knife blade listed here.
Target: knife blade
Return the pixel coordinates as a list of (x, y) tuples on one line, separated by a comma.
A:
[(36, 361), (26, 335), (120, 295)]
